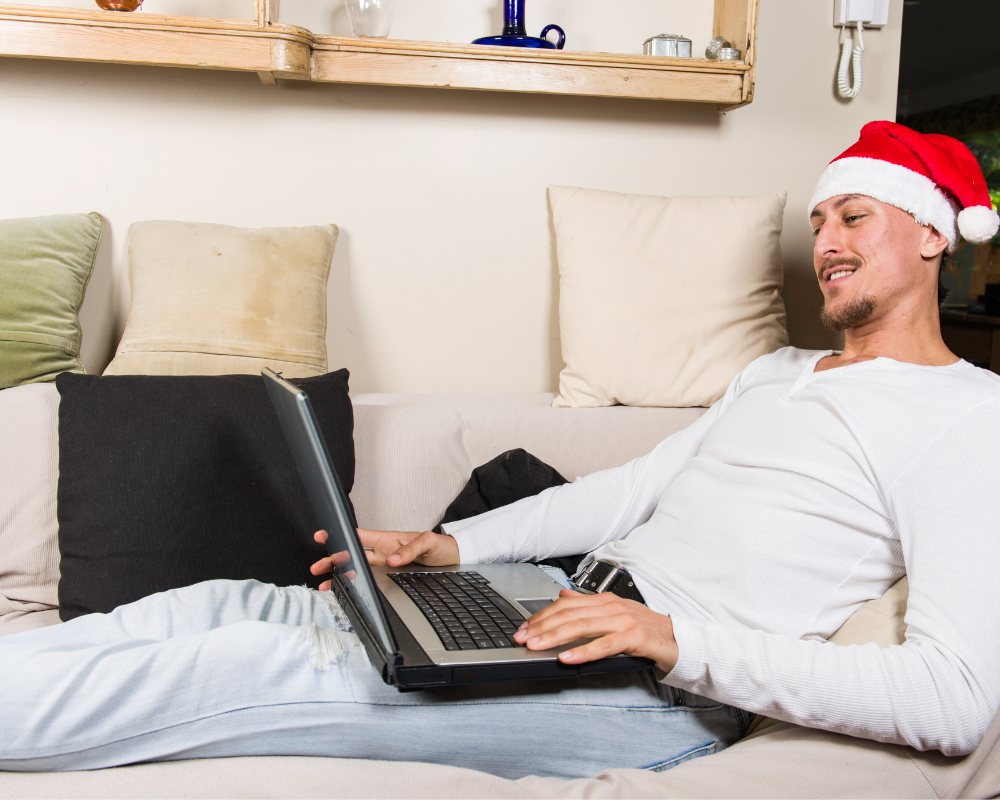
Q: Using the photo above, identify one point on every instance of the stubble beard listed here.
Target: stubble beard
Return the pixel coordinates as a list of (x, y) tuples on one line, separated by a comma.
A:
[(857, 312)]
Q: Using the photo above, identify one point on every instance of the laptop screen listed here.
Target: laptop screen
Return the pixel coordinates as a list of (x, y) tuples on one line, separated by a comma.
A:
[(329, 503)]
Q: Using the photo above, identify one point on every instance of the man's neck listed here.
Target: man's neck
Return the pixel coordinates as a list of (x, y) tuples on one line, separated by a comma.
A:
[(912, 336)]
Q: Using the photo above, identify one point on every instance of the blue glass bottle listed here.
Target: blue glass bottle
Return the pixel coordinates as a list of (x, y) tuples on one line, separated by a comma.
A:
[(515, 34)]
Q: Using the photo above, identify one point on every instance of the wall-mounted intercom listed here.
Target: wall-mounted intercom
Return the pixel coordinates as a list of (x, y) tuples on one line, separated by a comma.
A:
[(860, 14)]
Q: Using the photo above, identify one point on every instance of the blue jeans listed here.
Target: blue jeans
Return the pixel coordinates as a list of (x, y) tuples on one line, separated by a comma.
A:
[(229, 668)]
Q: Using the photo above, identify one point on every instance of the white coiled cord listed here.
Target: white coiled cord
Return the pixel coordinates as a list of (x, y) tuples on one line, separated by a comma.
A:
[(847, 43)]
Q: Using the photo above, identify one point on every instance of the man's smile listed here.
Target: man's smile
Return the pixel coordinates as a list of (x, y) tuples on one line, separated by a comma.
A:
[(839, 275), (840, 270)]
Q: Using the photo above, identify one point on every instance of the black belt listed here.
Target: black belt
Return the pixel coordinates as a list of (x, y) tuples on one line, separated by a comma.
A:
[(605, 576)]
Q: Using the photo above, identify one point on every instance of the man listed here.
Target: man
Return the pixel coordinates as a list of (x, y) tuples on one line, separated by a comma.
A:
[(812, 486)]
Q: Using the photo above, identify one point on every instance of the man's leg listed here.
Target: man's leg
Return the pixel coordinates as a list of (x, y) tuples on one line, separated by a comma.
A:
[(233, 669)]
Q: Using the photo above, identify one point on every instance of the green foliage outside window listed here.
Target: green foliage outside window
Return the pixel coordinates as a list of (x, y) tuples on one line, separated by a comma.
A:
[(986, 148)]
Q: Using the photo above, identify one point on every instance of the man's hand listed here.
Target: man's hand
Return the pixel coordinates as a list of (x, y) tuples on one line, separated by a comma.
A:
[(616, 625), (393, 549)]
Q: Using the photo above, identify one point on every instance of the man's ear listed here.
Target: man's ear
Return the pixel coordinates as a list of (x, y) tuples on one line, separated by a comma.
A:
[(934, 242)]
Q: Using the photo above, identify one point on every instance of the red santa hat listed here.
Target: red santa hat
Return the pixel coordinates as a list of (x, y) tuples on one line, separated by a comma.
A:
[(935, 178)]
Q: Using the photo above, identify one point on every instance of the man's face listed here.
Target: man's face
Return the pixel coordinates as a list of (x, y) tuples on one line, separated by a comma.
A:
[(871, 258)]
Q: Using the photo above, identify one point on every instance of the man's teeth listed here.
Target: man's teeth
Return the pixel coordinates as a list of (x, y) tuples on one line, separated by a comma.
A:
[(840, 274)]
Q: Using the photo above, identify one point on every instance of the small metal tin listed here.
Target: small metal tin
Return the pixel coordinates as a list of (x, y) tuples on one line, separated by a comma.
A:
[(714, 46), (729, 54), (667, 44)]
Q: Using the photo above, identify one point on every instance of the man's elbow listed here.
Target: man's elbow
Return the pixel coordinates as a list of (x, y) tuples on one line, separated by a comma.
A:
[(965, 726)]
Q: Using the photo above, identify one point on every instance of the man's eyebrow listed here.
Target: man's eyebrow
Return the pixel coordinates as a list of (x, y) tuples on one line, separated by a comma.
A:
[(847, 198)]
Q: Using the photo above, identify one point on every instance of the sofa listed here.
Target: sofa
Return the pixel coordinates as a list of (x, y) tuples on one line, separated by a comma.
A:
[(414, 453)]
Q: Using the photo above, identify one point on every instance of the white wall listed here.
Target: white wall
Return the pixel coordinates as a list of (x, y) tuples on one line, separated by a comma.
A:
[(589, 23), (445, 275)]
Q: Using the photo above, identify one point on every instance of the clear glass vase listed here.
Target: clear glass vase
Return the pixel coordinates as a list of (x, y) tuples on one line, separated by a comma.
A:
[(371, 17)]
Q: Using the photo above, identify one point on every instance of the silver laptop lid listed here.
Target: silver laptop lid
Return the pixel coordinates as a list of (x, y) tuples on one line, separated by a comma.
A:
[(329, 503)]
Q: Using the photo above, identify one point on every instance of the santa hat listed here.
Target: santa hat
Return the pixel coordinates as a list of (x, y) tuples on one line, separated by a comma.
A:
[(935, 178)]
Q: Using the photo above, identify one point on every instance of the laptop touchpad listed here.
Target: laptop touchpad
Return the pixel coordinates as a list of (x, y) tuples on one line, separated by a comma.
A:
[(533, 606)]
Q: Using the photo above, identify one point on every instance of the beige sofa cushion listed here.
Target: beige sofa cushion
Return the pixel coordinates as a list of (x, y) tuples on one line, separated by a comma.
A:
[(791, 761), (216, 300), (663, 300), (415, 452), (29, 470), (879, 621), (785, 762)]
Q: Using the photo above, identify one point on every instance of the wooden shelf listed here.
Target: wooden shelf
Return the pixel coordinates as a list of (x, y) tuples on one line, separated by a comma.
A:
[(352, 60), (275, 50), (113, 37)]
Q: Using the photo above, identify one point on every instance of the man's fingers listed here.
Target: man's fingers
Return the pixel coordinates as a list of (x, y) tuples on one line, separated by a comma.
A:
[(370, 538), (413, 550), (394, 549), (610, 645), (570, 600), (383, 544), (321, 567), (572, 626), (325, 586), (330, 563)]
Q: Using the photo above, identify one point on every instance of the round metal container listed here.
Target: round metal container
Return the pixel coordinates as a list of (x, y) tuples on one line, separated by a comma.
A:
[(667, 44), (714, 46), (729, 54)]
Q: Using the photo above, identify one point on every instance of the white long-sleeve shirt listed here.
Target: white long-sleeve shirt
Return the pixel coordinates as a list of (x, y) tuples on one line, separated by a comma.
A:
[(795, 499)]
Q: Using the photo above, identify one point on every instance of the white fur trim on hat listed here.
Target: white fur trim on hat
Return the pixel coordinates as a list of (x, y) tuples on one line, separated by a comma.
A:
[(892, 184), (978, 224)]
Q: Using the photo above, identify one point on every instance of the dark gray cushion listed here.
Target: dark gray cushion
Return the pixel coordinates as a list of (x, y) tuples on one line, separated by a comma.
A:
[(169, 481)]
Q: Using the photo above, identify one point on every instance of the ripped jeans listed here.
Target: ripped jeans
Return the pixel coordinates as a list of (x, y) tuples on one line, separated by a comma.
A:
[(229, 668)]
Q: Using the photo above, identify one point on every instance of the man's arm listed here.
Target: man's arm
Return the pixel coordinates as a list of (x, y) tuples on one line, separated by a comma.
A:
[(573, 518), (565, 520), (581, 516), (939, 690)]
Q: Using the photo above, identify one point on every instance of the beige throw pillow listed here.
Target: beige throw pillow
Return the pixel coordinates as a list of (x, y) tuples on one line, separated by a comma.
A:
[(663, 300), (213, 300)]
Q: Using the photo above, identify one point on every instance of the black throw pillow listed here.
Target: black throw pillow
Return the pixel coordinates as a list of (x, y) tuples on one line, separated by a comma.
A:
[(169, 481)]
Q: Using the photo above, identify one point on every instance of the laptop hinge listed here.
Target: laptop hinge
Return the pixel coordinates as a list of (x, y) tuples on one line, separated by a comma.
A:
[(373, 645)]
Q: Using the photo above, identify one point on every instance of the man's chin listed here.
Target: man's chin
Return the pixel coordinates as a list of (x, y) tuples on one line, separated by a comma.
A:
[(853, 314)]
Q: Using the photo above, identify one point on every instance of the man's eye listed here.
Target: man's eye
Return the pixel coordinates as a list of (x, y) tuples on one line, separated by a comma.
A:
[(853, 217), (816, 231)]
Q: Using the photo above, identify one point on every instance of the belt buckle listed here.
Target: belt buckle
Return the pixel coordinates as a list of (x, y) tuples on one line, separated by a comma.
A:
[(607, 581), (609, 578)]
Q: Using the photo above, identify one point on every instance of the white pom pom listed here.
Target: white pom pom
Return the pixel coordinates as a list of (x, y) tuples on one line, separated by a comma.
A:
[(978, 224)]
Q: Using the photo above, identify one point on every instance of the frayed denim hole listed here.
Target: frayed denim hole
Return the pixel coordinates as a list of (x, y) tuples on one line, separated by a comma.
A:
[(329, 599), (705, 750), (327, 645)]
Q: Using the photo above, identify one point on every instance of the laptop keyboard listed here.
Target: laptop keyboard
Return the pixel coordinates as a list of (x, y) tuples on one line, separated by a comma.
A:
[(464, 611)]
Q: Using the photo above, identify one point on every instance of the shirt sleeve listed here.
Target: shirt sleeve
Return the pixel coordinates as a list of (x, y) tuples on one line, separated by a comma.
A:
[(941, 688), (581, 516)]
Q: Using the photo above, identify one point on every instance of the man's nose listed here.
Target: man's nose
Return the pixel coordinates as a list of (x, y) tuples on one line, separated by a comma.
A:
[(827, 242)]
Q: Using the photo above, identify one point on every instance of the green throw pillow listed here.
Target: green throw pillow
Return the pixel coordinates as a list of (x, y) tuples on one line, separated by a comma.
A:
[(45, 265)]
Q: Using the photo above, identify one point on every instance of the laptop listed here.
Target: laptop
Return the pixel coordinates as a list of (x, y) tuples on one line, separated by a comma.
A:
[(425, 626)]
